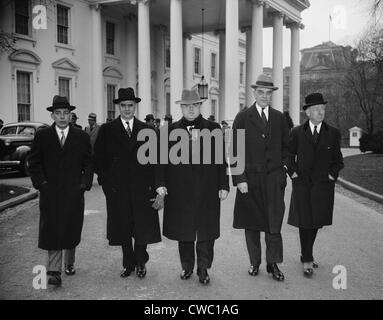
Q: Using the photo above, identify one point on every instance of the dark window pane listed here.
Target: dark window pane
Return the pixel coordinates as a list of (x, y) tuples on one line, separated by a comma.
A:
[(22, 16), (110, 32), (62, 24)]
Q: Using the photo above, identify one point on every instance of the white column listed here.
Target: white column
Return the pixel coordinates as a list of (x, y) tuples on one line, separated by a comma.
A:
[(176, 57), (97, 65), (257, 40), (159, 40), (144, 68), (278, 60), (249, 62), (294, 94), (187, 58), (131, 51), (231, 61), (221, 58)]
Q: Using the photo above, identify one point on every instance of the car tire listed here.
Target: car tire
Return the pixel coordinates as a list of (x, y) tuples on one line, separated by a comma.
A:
[(24, 167)]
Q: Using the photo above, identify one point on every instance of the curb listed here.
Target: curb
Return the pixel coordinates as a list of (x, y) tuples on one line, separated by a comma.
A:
[(361, 191), (18, 200)]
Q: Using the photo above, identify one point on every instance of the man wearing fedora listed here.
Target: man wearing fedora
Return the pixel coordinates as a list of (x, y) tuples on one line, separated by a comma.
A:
[(128, 186), (149, 120), (314, 164), (259, 204), (74, 119), (92, 129), (193, 192), (60, 167)]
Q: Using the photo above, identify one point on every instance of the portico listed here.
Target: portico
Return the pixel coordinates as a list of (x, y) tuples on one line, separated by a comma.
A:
[(182, 17)]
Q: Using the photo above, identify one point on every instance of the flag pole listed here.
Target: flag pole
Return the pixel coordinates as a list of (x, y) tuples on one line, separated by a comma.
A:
[(329, 26)]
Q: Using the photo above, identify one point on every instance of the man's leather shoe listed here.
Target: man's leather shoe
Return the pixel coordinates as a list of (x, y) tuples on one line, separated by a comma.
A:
[(315, 264), (186, 274), (54, 278), (273, 269), (253, 270), (125, 273), (203, 276), (141, 270), (70, 270)]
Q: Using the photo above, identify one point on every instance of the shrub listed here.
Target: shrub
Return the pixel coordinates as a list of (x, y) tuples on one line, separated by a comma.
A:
[(372, 142)]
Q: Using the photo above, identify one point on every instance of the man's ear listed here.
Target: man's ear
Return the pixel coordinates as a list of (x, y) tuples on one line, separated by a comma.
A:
[(52, 116)]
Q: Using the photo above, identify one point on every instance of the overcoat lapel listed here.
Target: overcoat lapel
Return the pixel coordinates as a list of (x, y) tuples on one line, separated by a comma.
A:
[(55, 138), (121, 133), (323, 138), (271, 121), (308, 134), (69, 139)]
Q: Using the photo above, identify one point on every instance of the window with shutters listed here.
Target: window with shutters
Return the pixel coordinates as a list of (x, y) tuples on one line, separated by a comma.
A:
[(23, 96), (62, 24), (22, 17), (197, 60), (241, 72), (64, 87), (110, 35), (214, 65), (110, 96)]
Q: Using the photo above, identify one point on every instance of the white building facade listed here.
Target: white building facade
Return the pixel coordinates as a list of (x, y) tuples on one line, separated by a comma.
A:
[(91, 48)]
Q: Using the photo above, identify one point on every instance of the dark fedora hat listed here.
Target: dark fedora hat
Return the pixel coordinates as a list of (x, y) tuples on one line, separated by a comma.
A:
[(126, 94), (149, 117), (60, 102), (264, 81), (313, 99)]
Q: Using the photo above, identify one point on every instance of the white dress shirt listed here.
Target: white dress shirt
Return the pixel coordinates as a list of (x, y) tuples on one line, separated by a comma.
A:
[(130, 123), (265, 111), (312, 127), (60, 132)]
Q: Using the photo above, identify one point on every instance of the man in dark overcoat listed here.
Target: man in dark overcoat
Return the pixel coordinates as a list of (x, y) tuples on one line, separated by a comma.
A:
[(314, 164), (128, 186), (194, 191), (60, 167), (259, 204)]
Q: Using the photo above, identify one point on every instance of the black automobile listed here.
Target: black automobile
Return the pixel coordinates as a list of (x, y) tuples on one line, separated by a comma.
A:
[(15, 144)]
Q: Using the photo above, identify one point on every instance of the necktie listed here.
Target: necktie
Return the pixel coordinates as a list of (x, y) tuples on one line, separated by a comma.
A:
[(128, 130), (190, 129), (62, 139), (264, 119), (315, 135)]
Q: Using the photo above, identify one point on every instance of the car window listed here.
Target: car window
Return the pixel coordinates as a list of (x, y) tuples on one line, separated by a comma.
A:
[(9, 130), (26, 131)]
